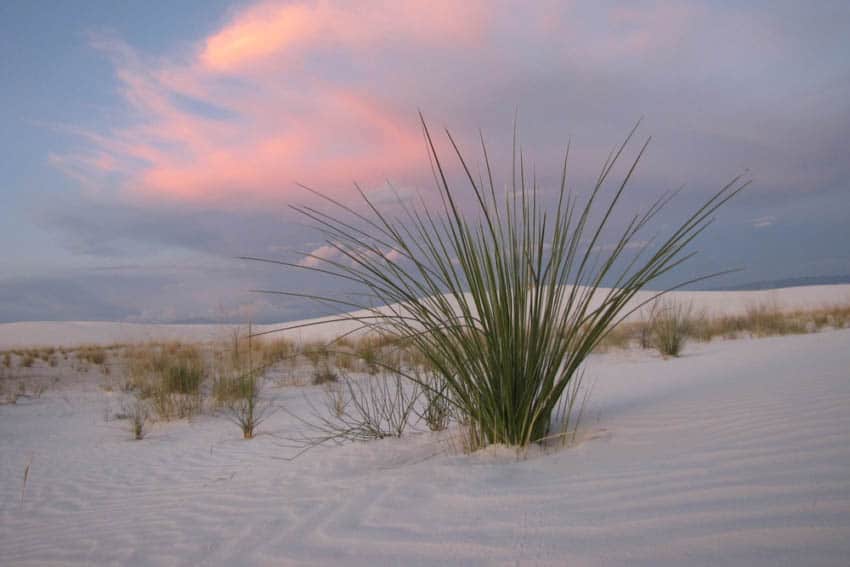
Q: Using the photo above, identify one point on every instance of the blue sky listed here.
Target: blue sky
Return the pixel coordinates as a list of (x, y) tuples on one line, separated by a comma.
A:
[(146, 144)]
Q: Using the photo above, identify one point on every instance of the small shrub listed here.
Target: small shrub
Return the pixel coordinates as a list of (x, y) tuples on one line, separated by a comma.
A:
[(240, 395), (766, 319), (27, 360), (374, 407), (170, 376), (670, 324), (93, 355)]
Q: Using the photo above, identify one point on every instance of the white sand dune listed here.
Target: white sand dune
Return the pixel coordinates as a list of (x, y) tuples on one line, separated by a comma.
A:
[(69, 334), (737, 453)]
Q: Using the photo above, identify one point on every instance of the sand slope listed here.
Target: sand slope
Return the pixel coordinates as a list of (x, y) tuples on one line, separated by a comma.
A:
[(736, 454)]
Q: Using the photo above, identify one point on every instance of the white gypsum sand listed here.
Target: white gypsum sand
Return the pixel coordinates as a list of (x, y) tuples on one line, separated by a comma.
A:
[(76, 333), (736, 453)]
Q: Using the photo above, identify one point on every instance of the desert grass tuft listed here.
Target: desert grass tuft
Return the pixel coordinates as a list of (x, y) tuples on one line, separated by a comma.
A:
[(244, 404), (169, 375), (238, 385), (92, 354), (670, 326), (505, 303)]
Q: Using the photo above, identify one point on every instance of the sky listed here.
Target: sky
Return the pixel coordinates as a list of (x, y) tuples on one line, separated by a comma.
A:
[(147, 145)]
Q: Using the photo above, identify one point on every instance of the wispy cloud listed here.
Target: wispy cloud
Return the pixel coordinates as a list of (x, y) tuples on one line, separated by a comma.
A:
[(245, 114), (323, 93), (763, 222)]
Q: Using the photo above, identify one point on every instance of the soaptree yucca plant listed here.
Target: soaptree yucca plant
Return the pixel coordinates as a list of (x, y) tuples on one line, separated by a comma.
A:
[(505, 304)]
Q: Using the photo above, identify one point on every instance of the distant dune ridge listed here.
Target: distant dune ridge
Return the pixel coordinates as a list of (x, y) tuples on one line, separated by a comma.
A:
[(31, 334), (785, 282)]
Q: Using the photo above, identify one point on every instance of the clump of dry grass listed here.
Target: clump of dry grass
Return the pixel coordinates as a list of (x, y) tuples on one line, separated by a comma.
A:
[(377, 351), (762, 319), (366, 350), (27, 360), (275, 351), (620, 337), (169, 375), (239, 394), (833, 316), (767, 319), (670, 326), (315, 352), (663, 327), (92, 354), (238, 381)]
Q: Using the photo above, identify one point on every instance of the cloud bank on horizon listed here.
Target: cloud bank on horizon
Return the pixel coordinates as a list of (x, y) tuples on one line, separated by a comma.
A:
[(199, 154)]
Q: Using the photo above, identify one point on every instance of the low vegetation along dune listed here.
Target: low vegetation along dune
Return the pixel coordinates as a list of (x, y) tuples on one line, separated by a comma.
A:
[(121, 445)]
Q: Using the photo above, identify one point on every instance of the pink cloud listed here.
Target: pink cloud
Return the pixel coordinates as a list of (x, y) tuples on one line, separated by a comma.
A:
[(251, 143), (242, 116), (272, 29)]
